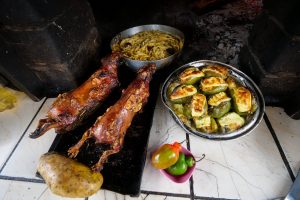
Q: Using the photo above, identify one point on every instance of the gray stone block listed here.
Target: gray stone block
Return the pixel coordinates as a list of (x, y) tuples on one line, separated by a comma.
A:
[(286, 12), (46, 46), (267, 39), (279, 85)]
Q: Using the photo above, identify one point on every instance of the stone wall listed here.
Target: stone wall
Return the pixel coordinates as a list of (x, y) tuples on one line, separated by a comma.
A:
[(272, 53)]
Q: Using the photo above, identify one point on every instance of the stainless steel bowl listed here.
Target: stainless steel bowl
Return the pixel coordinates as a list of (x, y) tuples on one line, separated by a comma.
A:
[(136, 64), (251, 123)]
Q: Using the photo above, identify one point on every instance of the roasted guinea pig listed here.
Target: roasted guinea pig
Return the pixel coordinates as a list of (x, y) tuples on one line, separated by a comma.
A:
[(69, 109), (110, 128)]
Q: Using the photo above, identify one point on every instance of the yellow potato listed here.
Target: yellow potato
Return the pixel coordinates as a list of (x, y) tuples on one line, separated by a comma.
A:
[(7, 99), (68, 178)]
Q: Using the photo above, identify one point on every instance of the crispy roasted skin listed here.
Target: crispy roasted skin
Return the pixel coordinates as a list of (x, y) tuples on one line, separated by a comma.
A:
[(110, 128), (70, 108)]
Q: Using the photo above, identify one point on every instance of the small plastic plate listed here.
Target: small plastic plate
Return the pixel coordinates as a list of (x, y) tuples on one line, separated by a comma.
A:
[(184, 177)]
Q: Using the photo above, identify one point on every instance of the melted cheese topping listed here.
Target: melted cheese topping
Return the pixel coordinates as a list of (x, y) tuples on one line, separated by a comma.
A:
[(219, 70), (198, 105), (203, 122), (243, 99), (231, 83), (183, 91), (211, 82), (190, 73), (218, 98)]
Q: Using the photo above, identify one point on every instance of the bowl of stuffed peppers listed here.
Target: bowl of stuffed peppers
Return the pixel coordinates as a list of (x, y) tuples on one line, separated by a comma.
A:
[(213, 100)]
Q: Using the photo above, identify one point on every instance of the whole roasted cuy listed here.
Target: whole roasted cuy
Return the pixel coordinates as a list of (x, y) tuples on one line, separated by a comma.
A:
[(69, 109), (111, 127)]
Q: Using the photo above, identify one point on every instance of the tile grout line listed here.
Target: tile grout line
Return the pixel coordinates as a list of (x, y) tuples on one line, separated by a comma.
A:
[(22, 136), (181, 195), (22, 179), (192, 188), (211, 198), (31, 180), (282, 154), (165, 194), (191, 181)]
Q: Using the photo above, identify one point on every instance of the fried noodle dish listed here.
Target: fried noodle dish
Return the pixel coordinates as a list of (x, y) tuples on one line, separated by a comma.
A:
[(149, 45)]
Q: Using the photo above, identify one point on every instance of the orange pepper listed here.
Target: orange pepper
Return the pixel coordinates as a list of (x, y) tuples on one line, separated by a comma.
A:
[(166, 156)]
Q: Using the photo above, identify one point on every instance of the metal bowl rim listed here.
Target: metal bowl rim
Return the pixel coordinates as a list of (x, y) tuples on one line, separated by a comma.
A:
[(250, 126), (145, 28)]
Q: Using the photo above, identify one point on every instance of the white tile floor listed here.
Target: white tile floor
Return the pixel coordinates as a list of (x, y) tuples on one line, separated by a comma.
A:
[(288, 132), (247, 168), (108, 195), (164, 130), (12, 190), (250, 167), (29, 151), (14, 122)]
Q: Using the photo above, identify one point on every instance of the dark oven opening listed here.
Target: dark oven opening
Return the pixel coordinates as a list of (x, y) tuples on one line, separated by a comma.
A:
[(46, 46)]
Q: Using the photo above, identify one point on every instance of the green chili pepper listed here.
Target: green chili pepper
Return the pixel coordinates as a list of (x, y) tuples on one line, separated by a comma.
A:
[(190, 161), (180, 167)]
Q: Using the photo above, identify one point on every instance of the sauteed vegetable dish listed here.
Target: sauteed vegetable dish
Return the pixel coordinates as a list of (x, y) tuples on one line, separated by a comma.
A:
[(210, 100)]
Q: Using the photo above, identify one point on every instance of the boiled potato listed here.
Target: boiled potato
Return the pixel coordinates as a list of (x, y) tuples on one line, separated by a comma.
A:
[(68, 178)]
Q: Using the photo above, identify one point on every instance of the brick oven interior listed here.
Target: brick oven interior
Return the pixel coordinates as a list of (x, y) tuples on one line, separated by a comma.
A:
[(260, 37)]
